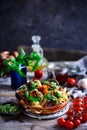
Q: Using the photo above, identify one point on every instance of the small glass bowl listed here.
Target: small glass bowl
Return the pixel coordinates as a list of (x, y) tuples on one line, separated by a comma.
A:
[(58, 72)]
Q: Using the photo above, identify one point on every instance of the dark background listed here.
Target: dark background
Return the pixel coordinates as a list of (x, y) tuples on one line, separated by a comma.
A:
[(62, 24)]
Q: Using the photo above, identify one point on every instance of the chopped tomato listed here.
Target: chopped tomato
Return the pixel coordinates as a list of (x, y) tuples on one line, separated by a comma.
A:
[(45, 91)]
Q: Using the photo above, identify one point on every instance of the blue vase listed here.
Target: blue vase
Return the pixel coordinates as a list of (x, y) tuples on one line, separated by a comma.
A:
[(16, 79)]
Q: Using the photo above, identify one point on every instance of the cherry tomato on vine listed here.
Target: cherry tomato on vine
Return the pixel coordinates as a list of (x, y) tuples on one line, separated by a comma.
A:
[(70, 118), (61, 121), (38, 74), (76, 115), (69, 125), (78, 104), (71, 82), (85, 99), (70, 112), (80, 118), (76, 122), (79, 109), (78, 99), (84, 117), (85, 105)]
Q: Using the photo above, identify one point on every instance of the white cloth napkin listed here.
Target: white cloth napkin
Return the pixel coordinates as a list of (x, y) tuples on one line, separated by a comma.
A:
[(82, 64)]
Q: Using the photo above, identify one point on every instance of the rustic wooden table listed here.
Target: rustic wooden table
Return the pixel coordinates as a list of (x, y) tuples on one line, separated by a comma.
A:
[(24, 122)]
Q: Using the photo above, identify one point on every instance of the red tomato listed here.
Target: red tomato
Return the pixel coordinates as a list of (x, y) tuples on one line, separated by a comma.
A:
[(78, 99), (84, 117), (80, 118), (71, 82), (70, 118), (78, 104), (85, 105), (76, 122), (38, 74), (85, 99), (70, 112), (69, 125), (79, 109), (61, 121)]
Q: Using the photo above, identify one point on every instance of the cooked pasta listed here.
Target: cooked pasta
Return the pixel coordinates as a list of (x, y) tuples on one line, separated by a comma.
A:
[(42, 96)]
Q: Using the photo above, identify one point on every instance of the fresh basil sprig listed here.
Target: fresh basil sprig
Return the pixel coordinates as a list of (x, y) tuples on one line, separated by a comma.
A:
[(33, 60)]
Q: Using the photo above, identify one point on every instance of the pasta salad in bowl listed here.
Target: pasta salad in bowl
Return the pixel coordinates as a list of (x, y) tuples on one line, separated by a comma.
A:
[(42, 97)]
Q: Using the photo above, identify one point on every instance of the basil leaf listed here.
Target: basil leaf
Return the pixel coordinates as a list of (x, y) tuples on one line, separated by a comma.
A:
[(31, 98)]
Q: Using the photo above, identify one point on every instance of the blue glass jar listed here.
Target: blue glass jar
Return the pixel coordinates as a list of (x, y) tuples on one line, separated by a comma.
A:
[(16, 79)]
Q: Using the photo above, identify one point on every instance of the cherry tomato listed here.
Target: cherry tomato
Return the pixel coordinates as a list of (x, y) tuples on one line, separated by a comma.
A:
[(80, 118), (70, 112), (84, 117), (85, 99), (76, 122), (78, 109), (69, 125), (71, 82), (78, 99), (38, 74), (61, 121), (78, 104), (70, 118), (85, 105)]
